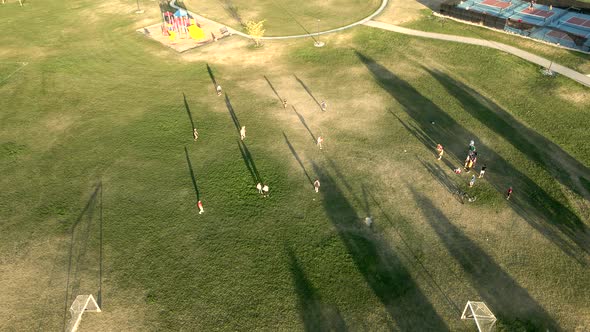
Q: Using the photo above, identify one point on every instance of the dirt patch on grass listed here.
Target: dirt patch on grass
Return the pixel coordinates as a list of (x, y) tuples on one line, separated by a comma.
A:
[(402, 11), (56, 123), (235, 51), (33, 281), (577, 97)]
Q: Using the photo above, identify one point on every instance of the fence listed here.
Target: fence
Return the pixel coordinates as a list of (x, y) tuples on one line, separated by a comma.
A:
[(450, 9)]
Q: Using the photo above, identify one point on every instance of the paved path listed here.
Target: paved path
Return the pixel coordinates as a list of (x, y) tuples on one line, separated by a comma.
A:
[(239, 33), (574, 75)]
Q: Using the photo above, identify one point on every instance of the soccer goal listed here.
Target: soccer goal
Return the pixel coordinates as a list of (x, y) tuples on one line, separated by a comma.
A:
[(483, 316), (81, 304)]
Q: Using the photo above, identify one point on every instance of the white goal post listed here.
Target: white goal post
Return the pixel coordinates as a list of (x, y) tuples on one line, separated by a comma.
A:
[(483, 316), (81, 304)]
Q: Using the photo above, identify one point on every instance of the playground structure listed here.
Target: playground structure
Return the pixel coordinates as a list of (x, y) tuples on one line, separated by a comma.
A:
[(181, 25), (560, 26), (181, 30)]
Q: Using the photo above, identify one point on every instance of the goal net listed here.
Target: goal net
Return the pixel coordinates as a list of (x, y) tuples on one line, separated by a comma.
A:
[(483, 316), (81, 304)]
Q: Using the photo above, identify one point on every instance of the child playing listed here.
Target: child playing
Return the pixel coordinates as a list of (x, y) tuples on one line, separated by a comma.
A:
[(482, 171), (440, 150), (320, 141), (243, 133)]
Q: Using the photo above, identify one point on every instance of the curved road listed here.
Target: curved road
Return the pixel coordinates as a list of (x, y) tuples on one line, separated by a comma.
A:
[(233, 31), (567, 72)]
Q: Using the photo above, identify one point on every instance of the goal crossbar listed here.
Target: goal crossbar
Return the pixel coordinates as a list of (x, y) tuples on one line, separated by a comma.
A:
[(81, 304)]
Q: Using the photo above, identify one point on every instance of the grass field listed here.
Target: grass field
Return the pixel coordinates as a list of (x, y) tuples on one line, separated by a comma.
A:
[(286, 17), (100, 179)]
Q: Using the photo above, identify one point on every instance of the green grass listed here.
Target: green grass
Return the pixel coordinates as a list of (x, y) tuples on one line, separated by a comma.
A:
[(286, 17), (572, 59), (92, 151)]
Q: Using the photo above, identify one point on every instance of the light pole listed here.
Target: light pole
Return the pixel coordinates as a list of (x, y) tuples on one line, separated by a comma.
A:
[(318, 43), (139, 10)]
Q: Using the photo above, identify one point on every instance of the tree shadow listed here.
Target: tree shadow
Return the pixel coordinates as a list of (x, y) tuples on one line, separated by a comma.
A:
[(545, 153), (315, 315), (212, 76), (550, 217), (443, 179), (413, 256), (249, 161), (383, 271), (232, 113), (188, 112), (192, 174), (511, 303), (302, 119), (296, 155), (78, 262), (424, 139), (308, 91), (273, 88)]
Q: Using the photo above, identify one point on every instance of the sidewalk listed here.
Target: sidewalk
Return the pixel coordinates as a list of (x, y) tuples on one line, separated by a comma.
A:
[(567, 72)]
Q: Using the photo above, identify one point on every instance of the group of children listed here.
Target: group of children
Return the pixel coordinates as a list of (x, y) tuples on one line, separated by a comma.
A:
[(470, 162), (263, 189)]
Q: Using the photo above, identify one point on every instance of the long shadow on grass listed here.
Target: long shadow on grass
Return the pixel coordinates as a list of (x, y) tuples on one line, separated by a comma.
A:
[(232, 10), (232, 113), (285, 10), (543, 212), (439, 174), (249, 161), (383, 271), (212, 76), (308, 91), (422, 137), (273, 88), (511, 303), (188, 112), (302, 119), (79, 242), (192, 174), (315, 316), (296, 155), (553, 158), (399, 224)]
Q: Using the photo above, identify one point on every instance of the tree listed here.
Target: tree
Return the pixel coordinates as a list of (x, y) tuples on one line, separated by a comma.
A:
[(255, 30)]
